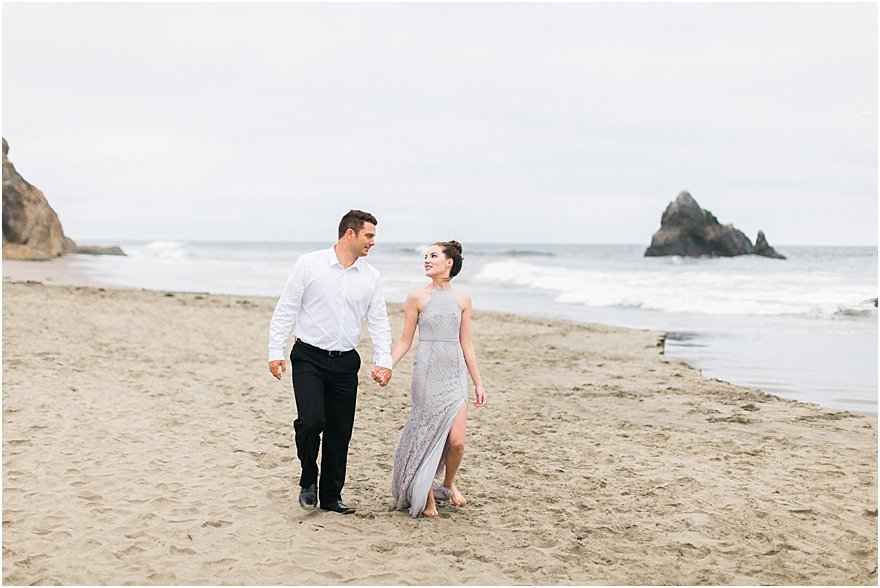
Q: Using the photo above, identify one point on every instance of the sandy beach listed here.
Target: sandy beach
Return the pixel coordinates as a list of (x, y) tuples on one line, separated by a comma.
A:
[(144, 442)]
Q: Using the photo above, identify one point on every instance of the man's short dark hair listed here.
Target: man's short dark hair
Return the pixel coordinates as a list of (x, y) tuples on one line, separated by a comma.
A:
[(354, 220)]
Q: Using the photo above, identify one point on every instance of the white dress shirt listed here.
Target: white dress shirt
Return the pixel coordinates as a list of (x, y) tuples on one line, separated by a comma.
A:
[(328, 304)]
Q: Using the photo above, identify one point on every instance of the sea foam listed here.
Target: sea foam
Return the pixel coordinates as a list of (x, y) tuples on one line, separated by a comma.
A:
[(679, 289)]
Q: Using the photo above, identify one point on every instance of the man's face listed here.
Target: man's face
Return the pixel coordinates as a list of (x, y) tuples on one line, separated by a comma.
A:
[(364, 240)]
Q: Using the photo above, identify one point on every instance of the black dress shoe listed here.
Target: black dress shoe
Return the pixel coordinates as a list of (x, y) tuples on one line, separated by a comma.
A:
[(308, 496), (339, 507)]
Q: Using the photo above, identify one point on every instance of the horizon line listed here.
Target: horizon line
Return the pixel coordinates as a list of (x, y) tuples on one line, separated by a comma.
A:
[(412, 242)]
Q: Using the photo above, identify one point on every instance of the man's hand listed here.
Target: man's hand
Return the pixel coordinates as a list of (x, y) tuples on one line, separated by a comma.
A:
[(277, 367), (381, 375)]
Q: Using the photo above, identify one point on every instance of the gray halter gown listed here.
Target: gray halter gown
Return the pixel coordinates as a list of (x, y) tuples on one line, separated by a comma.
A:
[(439, 390)]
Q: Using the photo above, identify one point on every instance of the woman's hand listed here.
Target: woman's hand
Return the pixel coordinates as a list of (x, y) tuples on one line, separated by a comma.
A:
[(381, 375), (481, 397)]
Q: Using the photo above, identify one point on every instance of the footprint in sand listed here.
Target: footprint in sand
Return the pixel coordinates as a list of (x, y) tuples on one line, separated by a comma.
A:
[(132, 550), (90, 497)]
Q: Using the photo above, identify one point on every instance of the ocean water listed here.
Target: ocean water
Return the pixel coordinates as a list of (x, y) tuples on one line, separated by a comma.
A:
[(803, 328)]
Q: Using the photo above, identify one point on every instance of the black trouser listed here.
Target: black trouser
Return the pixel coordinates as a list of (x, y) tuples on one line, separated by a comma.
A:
[(325, 389)]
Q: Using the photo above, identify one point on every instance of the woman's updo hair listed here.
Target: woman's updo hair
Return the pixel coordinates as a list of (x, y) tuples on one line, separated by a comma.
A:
[(452, 250)]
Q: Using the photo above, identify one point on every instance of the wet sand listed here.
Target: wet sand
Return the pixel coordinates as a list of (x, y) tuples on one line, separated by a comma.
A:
[(144, 442)]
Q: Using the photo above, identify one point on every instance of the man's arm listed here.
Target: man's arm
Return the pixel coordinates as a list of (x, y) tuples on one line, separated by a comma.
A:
[(379, 328), (286, 311)]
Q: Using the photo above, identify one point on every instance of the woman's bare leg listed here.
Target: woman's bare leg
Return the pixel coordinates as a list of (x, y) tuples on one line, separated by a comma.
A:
[(430, 506), (454, 456)]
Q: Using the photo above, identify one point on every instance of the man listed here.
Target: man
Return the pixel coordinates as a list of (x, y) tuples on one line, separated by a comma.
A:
[(328, 294)]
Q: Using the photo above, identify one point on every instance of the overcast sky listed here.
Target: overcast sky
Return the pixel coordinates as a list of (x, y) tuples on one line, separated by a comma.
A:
[(481, 122)]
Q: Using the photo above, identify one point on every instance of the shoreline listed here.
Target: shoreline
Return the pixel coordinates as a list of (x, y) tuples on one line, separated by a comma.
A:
[(62, 280), (62, 271), (145, 442)]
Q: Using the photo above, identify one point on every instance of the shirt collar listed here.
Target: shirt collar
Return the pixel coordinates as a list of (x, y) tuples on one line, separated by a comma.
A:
[(333, 260)]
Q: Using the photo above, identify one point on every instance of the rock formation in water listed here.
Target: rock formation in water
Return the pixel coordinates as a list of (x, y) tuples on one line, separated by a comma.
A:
[(31, 229), (763, 248), (99, 250), (690, 231)]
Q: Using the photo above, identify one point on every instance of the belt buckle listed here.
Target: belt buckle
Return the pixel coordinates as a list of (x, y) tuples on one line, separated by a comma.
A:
[(332, 353)]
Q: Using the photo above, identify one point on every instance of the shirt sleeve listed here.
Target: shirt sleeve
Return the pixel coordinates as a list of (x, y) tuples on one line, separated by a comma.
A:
[(286, 311), (379, 328)]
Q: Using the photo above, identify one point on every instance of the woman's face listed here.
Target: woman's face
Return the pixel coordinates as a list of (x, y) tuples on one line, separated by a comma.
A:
[(436, 263)]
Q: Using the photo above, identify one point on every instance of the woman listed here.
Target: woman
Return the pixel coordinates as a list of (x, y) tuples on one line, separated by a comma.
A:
[(433, 436)]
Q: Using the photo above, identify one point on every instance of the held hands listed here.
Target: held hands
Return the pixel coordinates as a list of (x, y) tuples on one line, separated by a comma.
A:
[(381, 375), (277, 367), (481, 397)]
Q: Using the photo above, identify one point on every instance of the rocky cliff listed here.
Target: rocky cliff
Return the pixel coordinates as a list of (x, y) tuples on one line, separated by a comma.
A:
[(688, 230), (31, 228)]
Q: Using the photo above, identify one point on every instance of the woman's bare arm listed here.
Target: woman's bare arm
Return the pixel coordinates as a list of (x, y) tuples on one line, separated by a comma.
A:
[(470, 355), (410, 320)]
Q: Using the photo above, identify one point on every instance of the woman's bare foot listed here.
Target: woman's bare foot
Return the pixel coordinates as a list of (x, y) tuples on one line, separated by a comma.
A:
[(456, 497), (430, 506)]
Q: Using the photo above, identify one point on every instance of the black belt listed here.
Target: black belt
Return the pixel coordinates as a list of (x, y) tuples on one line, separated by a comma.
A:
[(324, 351)]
